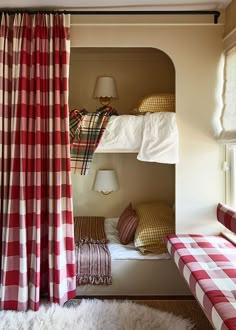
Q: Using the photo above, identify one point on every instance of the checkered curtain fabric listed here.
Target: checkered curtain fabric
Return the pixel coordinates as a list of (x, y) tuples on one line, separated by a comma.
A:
[(227, 216), (36, 222), (207, 263)]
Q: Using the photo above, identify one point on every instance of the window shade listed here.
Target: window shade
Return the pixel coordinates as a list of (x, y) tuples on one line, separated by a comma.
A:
[(228, 117)]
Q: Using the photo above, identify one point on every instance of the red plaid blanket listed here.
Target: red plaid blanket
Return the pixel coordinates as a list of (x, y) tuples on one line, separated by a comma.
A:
[(86, 130), (208, 264)]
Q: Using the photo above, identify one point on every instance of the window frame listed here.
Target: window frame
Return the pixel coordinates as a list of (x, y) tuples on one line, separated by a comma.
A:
[(231, 175)]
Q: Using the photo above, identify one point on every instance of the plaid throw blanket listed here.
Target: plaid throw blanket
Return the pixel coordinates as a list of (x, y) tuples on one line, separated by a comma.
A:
[(93, 259), (86, 130)]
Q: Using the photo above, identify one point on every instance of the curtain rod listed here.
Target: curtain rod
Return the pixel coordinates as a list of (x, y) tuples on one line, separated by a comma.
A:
[(215, 13)]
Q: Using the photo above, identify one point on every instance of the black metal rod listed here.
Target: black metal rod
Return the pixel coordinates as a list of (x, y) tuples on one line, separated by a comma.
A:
[(215, 13)]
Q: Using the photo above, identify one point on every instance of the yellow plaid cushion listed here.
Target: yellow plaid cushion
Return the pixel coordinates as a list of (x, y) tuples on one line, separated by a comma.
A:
[(156, 221), (157, 102)]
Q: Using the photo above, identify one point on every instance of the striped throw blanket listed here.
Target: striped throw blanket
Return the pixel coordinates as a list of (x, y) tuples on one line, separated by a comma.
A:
[(93, 259), (86, 130)]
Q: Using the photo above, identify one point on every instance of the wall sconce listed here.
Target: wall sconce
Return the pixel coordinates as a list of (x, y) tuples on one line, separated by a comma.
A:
[(105, 89), (106, 182)]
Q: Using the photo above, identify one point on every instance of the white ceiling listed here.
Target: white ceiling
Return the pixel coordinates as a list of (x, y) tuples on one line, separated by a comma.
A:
[(119, 4)]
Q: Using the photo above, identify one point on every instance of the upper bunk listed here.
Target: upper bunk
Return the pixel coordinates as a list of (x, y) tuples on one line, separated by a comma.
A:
[(139, 73), (153, 136), (151, 133)]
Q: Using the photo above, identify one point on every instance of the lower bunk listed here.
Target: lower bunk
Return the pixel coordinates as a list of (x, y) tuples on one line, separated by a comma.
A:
[(134, 273)]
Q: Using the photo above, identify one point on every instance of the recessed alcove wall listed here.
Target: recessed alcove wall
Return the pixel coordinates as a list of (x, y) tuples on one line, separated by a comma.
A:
[(138, 72), (139, 181)]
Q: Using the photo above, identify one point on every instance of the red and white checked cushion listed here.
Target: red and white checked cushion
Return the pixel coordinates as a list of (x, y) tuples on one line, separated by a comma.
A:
[(208, 264), (227, 216)]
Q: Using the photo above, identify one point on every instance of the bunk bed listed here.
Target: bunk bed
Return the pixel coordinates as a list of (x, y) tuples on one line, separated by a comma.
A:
[(153, 135)]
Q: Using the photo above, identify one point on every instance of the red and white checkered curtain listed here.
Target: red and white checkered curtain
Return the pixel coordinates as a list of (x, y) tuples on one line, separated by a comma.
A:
[(36, 221)]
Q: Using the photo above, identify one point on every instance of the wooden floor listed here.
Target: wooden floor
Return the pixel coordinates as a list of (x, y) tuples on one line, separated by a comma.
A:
[(185, 307)]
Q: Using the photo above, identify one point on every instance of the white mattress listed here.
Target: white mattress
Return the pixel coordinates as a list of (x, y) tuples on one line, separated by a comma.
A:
[(125, 252)]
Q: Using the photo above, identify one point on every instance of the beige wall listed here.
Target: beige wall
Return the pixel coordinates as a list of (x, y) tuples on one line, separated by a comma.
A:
[(230, 26), (138, 72), (138, 181), (196, 53), (230, 17)]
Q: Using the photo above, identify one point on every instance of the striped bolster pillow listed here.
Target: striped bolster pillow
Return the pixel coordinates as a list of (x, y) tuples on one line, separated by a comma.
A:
[(127, 225), (227, 216)]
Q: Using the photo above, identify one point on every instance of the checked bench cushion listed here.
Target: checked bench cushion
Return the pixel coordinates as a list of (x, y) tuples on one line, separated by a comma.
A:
[(227, 216), (208, 264)]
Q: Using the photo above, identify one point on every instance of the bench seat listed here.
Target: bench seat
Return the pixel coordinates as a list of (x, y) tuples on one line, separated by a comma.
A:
[(208, 264)]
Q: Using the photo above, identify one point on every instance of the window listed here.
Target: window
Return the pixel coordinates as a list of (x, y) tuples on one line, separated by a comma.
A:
[(232, 175), (228, 117), (230, 170), (228, 120)]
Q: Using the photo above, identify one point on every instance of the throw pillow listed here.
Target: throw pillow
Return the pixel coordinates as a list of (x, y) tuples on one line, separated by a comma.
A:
[(127, 211), (155, 222), (127, 225), (157, 103)]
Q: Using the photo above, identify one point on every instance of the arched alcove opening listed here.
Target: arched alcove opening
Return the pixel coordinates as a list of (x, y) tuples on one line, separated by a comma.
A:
[(138, 72)]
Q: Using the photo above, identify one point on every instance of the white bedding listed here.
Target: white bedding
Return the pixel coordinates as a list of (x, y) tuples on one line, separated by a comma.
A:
[(154, 136), (122, 133), (125, 252), (160, 138)]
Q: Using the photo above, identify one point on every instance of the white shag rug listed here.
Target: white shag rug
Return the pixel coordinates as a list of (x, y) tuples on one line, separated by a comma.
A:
[(94, 315)]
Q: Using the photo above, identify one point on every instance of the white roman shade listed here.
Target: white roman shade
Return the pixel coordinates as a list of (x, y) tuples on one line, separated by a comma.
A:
[(228, 117)]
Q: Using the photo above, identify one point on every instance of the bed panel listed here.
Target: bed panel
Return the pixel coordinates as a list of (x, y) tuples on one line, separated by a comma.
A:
[(140, 277)]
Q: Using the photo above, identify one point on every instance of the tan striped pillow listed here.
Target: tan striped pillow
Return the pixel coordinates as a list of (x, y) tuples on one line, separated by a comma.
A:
[(127, 225), (155, 222)]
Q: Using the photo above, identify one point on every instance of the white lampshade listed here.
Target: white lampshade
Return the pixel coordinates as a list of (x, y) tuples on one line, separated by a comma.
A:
[(106, 181), (105, 87)]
